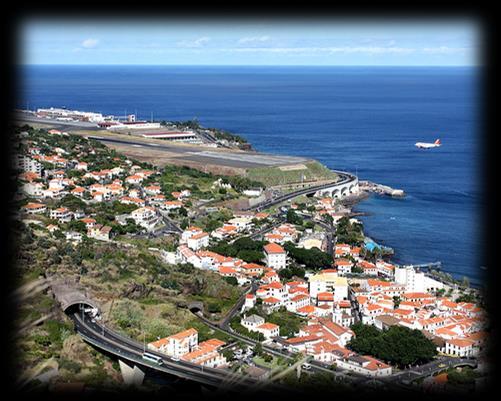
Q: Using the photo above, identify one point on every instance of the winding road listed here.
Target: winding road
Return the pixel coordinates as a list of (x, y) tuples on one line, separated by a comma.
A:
[(132, 351)]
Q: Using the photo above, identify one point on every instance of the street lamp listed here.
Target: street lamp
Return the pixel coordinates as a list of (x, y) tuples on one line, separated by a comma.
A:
[(144, 338)]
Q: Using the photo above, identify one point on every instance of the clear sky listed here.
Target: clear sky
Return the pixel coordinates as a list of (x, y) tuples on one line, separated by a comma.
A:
[(252, 42)]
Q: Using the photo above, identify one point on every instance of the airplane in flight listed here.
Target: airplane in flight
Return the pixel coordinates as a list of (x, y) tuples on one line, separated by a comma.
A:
[(425, 145)]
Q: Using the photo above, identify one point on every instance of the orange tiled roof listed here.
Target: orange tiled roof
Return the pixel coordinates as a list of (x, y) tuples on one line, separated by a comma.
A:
[(273, 248)]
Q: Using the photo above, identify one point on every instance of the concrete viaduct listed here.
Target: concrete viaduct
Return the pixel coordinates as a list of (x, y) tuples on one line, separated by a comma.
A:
[(342, 189)]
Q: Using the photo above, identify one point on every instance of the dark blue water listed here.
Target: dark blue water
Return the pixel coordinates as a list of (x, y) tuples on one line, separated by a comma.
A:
[(360, 119)]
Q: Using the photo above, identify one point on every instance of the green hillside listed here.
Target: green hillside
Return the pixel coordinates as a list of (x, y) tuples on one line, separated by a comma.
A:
[(306, 172)]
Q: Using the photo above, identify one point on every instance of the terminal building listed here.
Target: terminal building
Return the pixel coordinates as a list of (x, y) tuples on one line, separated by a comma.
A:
[(64, 114), (131, 125)]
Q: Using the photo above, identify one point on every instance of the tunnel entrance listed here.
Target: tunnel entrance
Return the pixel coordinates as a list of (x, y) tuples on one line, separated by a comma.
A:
[(196, 307)]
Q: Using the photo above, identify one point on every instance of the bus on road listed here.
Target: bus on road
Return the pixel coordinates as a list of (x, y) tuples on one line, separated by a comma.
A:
[(152, 358)]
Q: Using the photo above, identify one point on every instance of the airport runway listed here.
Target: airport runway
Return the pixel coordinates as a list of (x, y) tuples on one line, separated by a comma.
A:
[(202, 155), (222, 158)]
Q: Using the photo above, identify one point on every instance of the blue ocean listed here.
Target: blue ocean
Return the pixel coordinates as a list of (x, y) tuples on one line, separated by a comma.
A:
[(360, 119)]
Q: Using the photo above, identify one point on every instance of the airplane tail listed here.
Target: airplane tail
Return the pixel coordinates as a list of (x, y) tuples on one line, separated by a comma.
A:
[(437, 142)]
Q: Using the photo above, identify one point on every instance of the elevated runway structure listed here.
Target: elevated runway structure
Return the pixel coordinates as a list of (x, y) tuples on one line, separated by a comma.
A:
[(346, 185)]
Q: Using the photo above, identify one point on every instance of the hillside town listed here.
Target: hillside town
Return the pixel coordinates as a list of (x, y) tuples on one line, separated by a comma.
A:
[(311, 282)]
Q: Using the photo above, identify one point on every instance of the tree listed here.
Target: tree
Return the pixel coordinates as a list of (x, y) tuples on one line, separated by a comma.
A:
[(231, 280), (309, 224), (467, 297), (328, 219), (349, 233), (297, 271), (289, 322), (72, 202), (229, 354), (293, 218), (313, 258), (285, 273), (357, 269), (214, 307), (397, 345), (465, 376), (250, 256), (77, 225)]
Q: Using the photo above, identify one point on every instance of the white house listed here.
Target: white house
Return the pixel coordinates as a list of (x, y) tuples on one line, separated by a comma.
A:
[(296, 302), (145, 217), (241, 223), (73, 236), (27, 164), (34, 208), (189, 232), (328, 282), (250, 301), (206, 354), (253, 192), (171, 205), (275, 256), (34, 189), (365, 365), (252, 321), (343, 266), (459, 347), (197, 241), (81, 166), (99, 232), (269, 330), (178, 344), (62, 214), (415, 281), (186, 255)]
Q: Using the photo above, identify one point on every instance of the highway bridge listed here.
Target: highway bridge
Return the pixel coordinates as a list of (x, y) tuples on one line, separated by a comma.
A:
[(347, 184), (438, 365), (79, 308), (133, 366)]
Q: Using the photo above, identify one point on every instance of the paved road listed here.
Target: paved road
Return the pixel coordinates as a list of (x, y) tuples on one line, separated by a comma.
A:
[(223, 323), (132, 351), (428, 369), (344, 179), (315, 365), (330, 233), (262, 231), (397, 379)]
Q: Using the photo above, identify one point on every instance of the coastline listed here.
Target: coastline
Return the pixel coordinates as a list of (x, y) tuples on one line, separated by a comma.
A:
[(394, 257), (368, 189)]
